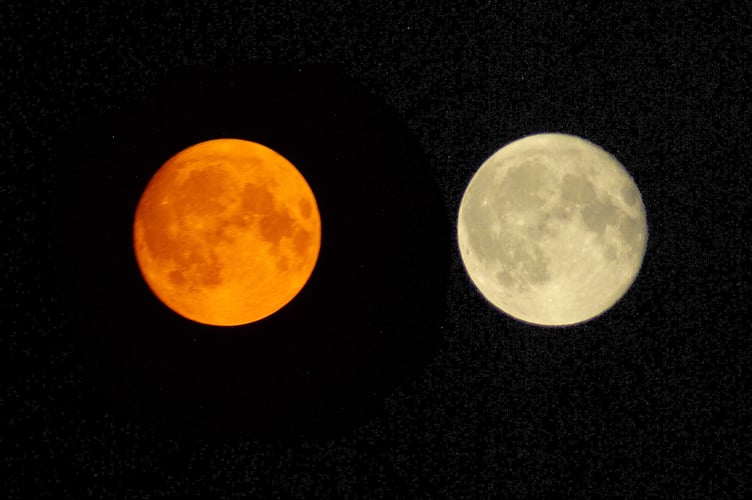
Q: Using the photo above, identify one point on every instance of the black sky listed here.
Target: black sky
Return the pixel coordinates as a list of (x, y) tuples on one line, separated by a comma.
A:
[(646, 400), (364, 320)]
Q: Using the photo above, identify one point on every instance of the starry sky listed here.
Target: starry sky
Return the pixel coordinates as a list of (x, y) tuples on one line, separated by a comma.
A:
[(460, 401)]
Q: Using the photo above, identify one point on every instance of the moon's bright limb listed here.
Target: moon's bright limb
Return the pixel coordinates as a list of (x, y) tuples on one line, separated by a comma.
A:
[(552, 229), (227, 232)]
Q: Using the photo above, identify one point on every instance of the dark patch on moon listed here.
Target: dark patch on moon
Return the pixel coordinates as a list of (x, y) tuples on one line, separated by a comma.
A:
[(211, 181), (598, 214), (305, 208), (522, 263), (256, 199), (577, 189), (520, 190), (631, 231), (629, 193)]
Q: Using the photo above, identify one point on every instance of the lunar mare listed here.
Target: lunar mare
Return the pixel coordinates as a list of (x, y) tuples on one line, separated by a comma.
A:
[(552, 229)]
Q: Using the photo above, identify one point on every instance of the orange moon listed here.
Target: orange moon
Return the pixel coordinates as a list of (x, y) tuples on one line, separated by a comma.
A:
[(227, 232)]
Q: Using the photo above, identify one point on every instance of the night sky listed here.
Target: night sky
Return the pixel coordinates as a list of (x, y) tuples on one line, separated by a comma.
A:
[(389, 376)]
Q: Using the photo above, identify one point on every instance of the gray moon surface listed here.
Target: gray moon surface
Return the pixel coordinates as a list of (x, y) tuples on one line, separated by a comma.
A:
[(552, 230)]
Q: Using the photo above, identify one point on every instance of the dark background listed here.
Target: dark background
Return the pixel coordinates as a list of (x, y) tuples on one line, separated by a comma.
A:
[(320, 366), (649, 399)]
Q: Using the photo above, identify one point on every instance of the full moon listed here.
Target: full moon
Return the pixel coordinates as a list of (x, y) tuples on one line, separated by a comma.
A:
[(552, 230), (227, 232)]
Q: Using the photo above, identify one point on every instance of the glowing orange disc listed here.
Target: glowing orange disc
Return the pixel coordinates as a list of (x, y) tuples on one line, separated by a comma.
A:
[(227, 232)]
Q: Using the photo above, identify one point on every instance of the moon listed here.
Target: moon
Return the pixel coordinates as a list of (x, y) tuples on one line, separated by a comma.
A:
[(227, 232), (552, 230)]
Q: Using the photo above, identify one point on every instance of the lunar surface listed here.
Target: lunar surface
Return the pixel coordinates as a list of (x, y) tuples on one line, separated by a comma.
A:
[(552, 230), (227, 232)]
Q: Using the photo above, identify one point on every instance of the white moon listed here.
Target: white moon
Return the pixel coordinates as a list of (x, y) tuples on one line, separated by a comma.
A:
[(552, 230)]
